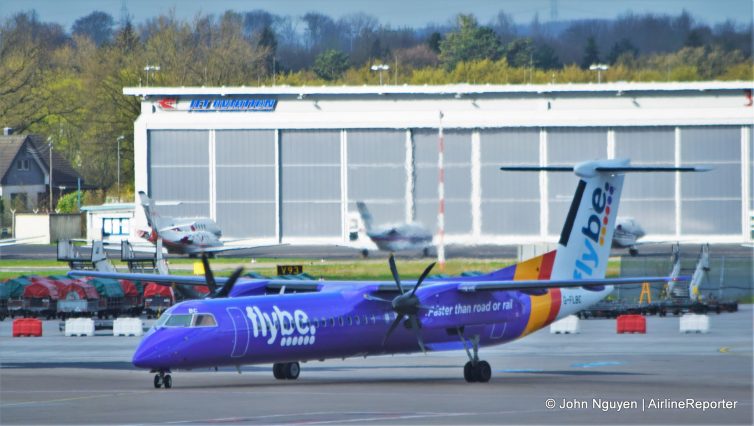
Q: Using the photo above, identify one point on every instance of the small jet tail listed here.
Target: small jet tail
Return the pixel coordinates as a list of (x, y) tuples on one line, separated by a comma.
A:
[(153, 218), (366, 216)]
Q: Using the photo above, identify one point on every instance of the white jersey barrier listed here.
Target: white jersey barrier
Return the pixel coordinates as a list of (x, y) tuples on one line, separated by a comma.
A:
[(694, 323), (79, 327), (567, 325), (128, 327)]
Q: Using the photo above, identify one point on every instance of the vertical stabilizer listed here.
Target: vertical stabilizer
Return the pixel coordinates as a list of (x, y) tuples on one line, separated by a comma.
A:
[(153, 218), (366, 216), (584, 246)]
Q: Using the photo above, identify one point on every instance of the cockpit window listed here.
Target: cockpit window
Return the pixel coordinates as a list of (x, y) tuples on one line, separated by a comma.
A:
[(161, 322), (204, 320), (179, 320)]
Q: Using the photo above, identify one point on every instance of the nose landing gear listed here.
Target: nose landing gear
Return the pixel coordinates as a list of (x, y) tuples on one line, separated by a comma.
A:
[(162, 379), (287, 370)]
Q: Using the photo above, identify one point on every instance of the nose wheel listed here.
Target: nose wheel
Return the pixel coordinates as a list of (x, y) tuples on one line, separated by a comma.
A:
[(286, 370), (475, 370), (162, 379)]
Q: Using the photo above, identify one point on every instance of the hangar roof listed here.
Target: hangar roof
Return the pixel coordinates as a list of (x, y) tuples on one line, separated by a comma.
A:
[(442, 90)]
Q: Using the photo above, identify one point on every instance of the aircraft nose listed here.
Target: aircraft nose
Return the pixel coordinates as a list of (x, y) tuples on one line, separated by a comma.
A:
[(152, 352)]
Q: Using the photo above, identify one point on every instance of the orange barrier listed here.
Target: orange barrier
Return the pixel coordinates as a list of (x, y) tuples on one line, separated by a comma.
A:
[(31, 327), (631, 324)]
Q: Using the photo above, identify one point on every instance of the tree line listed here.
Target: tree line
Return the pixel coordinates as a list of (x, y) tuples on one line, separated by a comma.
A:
[(68, 84)]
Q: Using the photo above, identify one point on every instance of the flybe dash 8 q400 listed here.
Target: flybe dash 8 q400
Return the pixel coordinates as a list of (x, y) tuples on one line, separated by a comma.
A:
[(287, 322)]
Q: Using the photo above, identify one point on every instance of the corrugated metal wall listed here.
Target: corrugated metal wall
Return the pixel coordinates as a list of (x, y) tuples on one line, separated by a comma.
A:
[(310, 173), (377, 173), (510, 201), (569, 146), (179, 171), (711, 201), (457, 179), (245, 176), (650, 198), (310, 182)]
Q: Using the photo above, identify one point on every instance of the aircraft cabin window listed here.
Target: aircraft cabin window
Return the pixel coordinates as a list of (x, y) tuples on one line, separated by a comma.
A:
[(332, 322), (204, 320), (180, 320), (340, 320), (358, 320), (350, 320)]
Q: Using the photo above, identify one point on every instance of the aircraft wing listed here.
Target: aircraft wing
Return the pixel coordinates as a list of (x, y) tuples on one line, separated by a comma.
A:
[(194, 280), (470, 287), (231, 248)]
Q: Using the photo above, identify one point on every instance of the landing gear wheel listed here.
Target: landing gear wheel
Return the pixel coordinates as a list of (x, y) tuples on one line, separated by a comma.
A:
[(168, 381), (365, 253), (157, 381), (633, 252), (277, 371), (483, 372), (468, 372), (292, 370)]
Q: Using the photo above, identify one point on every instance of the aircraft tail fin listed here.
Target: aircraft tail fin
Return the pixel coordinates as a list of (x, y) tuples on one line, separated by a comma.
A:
[(584, 245), (153, 218), (366, 216)]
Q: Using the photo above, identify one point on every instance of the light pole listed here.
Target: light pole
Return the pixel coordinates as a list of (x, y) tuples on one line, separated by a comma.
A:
[(151, 68), (380, 68), (49, 144), (120, 138), (599, 68)]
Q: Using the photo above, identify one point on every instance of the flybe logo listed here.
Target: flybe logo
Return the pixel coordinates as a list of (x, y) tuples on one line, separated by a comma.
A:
[(594, 231), (294, 329)]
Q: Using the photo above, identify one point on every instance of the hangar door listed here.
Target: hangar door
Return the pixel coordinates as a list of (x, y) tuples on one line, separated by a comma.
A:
[(648, 197), (179, 172), (711, 201), (510, 201), (457, 179), (245, 182), (566, 147), (310, 183), (377, 173)]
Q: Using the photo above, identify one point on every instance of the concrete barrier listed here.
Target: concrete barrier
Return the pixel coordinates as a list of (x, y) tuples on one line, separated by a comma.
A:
[(128, 327), (79, 327), (693, 323), (567, 325)]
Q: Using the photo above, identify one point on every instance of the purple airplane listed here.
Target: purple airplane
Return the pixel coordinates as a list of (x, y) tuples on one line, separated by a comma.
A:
[(286, 322)]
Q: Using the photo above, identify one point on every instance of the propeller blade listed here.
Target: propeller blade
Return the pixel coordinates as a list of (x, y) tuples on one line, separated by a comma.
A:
[(376, 299), (415, 326), (390, 330), (225, 291), (208, 275), (422, 277), (394, 271)]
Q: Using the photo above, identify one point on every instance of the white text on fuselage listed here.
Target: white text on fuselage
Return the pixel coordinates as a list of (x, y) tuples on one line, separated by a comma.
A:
[(293, 329), (466, 309)]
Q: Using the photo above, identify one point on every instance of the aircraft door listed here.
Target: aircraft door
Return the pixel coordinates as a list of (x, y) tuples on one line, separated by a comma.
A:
[(240, 331)]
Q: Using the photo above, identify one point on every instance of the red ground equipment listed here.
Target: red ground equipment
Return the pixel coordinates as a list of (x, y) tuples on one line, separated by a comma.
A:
[(78, 298), (631, 324), (31, 327), (41, 298), (157, 298)]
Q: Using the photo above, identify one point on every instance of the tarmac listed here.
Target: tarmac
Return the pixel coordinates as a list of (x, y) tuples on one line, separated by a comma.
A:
[(597, 376)]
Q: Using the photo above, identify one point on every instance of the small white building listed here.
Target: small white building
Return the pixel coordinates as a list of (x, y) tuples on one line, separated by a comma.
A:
[(109, 222), (289, 163)]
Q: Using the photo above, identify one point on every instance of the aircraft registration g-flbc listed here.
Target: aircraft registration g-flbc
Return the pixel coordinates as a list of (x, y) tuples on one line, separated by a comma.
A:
[(286, 322)]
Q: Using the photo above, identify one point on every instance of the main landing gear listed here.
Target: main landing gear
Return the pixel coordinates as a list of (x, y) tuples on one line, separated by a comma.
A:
[(475, 370), (286, 370), (162, 379)]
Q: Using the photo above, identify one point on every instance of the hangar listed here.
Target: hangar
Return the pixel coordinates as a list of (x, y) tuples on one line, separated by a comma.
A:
[(289, 163)]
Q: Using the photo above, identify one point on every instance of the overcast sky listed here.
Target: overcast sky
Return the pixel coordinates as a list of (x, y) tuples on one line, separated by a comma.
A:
[(394, 12)]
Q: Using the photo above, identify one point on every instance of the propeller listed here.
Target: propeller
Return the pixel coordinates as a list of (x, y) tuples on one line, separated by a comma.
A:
[(209, 277), (405, 304)]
